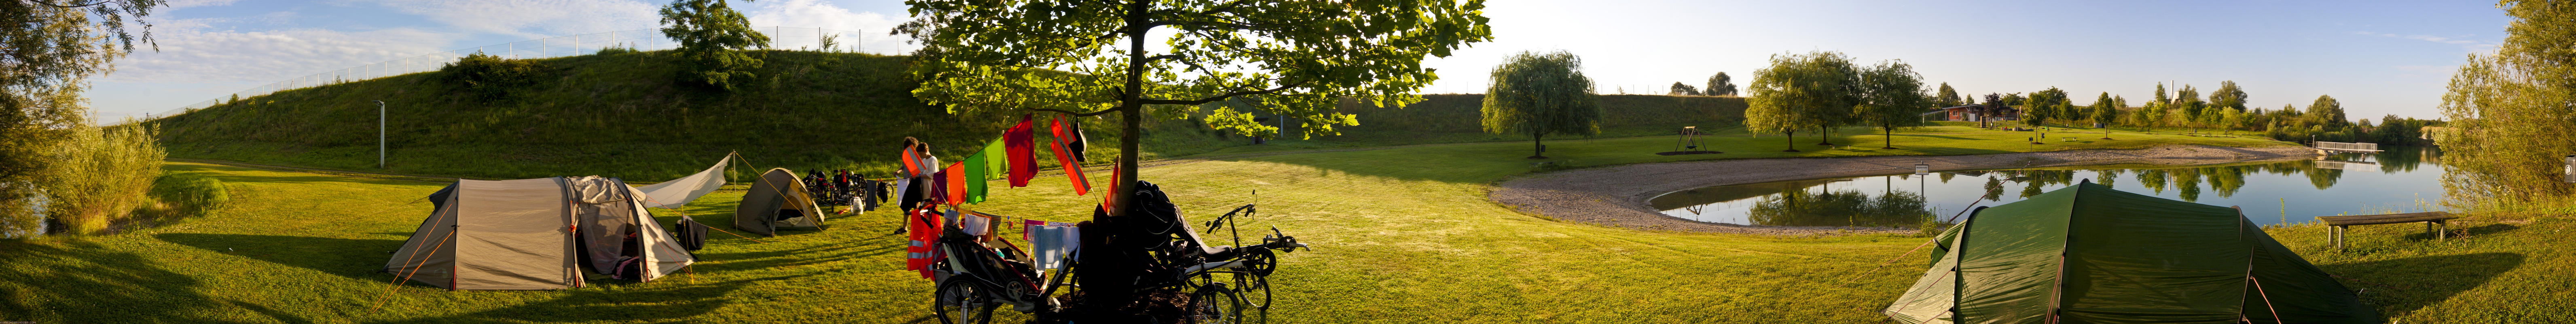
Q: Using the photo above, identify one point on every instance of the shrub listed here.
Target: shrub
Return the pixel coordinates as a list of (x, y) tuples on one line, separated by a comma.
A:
[(492, 78), (614, 50), (184, 195), (100, 175)]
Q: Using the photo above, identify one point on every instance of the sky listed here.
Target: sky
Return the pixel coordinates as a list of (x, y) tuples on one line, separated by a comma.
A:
[(2376, 58)]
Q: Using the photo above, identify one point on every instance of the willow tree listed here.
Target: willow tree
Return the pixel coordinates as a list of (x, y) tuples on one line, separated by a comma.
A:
[(1539, 95), (48, 52), (1093, 58), (2509, 115), (1801, 91), (1891, 96)]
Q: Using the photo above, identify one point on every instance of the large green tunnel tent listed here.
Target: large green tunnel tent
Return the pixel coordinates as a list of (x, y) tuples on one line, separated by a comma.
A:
[(2092, 254)]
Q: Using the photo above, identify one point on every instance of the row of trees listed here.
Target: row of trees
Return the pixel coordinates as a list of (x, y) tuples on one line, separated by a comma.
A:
[(2223, 109), (1718, 85), (1824, 90)]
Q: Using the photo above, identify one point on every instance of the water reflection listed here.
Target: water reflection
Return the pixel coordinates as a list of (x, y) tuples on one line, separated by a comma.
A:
[(2275, 192)]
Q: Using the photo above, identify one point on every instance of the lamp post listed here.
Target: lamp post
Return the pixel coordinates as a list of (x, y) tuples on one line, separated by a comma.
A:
[(380, 134), (2570, 166)]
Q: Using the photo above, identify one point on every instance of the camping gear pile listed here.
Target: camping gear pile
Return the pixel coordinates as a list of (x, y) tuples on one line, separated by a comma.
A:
[(2091, 254), (844, 188), (545, 233)]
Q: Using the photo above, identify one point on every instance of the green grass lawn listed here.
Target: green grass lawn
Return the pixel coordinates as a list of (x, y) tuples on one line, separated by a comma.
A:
[(1402, 235)]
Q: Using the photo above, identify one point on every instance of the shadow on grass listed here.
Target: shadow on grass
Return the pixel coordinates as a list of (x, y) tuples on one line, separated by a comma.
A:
[(354, 258), (2458, 233), (668, 300), (2401, 286), (84, 282)]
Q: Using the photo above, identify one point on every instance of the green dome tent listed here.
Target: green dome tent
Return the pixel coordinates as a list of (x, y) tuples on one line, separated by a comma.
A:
[(2092, 254)]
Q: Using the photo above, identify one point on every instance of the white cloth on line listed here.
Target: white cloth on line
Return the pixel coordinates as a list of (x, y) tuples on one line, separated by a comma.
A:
[(672, 194)]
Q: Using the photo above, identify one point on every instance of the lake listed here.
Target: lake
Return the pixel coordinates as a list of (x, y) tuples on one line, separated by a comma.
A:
[(2402, 179)]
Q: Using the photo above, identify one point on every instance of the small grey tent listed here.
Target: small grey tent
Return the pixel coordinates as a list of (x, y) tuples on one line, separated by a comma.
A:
[(521, 235), (776, 200), (2091, 254)]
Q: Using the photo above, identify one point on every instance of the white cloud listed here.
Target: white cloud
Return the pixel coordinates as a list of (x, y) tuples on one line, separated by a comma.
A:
[(191, 51), (535, 18), (2471, 45)]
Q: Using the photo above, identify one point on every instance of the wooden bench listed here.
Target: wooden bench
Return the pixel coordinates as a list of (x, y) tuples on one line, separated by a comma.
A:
[(2431, 220)]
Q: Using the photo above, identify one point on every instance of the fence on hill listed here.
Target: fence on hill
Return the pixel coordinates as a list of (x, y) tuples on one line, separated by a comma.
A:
[(784, 38)]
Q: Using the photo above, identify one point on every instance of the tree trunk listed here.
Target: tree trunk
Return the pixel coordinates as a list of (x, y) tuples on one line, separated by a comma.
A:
[(1792, 136), (1537, 151), (1889, 137), (1824, 135)]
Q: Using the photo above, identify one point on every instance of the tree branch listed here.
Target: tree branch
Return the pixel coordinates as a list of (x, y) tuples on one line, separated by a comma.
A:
[(1217, 97), (51, 3), (1082, 114)]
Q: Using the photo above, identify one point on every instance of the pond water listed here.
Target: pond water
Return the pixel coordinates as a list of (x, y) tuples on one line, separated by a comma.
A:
[(2402, 179)]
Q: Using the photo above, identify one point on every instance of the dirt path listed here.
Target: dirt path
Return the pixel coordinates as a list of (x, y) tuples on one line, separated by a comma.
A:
[(1616, 196)]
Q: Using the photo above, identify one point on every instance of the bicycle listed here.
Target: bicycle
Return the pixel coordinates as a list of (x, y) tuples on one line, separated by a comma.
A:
[(1247, 268)]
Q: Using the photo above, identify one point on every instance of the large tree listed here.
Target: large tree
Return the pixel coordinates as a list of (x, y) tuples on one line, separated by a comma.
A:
[(1720, 85), (712, 38), (2039, 107), (1092, 58), (1948, 97), (1542, 94), (2328, 113), (2105, 110), (48, 51), (1891, 97), (2228, 96), (1680, 89), (1801, 91)]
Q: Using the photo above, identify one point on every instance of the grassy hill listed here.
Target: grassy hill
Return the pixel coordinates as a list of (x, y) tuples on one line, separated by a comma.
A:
[(624, 115)]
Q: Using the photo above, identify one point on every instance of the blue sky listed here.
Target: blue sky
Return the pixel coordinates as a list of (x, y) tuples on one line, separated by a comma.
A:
[(2378, 58)]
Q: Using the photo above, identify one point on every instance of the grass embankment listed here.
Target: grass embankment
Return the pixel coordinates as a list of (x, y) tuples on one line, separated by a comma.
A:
[(1404, 235), (623, 115)]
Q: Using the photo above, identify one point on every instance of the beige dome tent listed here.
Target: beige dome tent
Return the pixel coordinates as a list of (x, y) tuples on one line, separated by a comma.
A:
[(519, 235), (777, 200)]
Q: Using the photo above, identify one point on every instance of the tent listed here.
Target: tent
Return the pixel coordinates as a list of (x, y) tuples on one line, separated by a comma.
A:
[(2091, 254), (677, 192), (778, 199), (520, 235)]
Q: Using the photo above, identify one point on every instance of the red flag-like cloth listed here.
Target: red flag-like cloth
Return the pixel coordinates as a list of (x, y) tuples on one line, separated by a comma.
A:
[(1023, 158), (1072, 170)]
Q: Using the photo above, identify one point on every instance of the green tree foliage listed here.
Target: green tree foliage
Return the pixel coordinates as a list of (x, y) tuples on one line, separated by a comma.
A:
[(1542, 94), (2228, 96), (1798, 91), (1891, 97), (2509, 111), (492, 78), (1720, 85), (2187, 107), (1300, 58), (1948, 97), (2038, 109), (1994, 189), (1680, 89), (2105, 110), (51, 50), (2328, 112), (712, 38)]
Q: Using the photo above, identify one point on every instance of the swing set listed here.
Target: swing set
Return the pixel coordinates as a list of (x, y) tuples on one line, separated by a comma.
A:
[(1691, 141)]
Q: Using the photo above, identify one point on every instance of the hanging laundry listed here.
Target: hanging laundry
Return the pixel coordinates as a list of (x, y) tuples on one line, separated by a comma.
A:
[(974, 224), (974, 177), (1051, 243), (1072, 170), (1081, 142), (997, 161), (953, 184), (922, 228), (1021, 145)]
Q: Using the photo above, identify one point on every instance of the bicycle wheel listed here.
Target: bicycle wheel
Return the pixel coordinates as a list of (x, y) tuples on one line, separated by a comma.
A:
[(959, 300), (1215, 304), (1256, 294)]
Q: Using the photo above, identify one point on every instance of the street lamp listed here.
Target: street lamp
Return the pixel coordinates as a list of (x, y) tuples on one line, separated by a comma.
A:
[(380, 134)]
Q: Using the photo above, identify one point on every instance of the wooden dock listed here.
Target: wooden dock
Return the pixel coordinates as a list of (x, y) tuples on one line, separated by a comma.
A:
[(2340, 147)]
